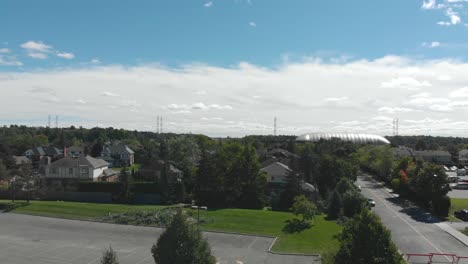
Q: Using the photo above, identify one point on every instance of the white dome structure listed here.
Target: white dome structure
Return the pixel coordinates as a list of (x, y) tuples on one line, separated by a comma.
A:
[(350, 137)]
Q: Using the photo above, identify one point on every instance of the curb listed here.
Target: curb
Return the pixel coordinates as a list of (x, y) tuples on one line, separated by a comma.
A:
[(453, 234)]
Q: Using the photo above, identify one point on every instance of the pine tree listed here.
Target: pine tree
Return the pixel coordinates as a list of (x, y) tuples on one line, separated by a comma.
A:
[(109, 257), (182, 243)]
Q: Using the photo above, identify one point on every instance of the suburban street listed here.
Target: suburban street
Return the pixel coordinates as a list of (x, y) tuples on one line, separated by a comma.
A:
[(28, 239), (413, 230)]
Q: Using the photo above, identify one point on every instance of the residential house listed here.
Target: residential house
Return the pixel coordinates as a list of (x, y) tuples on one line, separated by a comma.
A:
[(403, 151), (434, 156), (118, 155), (279, 155), (80, 167), (463, 157), (277, 173), (153, 171), (277, 178)]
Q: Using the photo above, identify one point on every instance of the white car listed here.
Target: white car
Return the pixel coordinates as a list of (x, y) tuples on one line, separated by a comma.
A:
[(371, 202)]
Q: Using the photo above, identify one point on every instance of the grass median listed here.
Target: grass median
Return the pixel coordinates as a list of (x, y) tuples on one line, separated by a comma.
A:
[(318, 239)]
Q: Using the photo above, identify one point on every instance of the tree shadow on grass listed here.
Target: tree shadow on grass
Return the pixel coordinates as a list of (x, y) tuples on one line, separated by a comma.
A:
[(295, 226), (8, 207)]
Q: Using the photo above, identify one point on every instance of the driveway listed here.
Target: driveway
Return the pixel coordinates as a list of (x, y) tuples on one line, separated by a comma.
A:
[(28, 239)]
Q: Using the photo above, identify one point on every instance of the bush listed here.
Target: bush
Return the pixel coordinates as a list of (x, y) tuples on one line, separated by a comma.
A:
[(396, 185)]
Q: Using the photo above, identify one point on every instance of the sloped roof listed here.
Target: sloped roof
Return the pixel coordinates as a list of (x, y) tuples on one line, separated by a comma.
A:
[(21, 160), (71, 162), (117, 149), (276, 167)]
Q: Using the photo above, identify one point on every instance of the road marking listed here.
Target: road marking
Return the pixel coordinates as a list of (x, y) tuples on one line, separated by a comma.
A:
[(402, 219)]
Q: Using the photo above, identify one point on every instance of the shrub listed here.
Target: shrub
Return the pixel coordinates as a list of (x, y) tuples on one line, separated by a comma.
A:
[(396, 185), (441, 206)]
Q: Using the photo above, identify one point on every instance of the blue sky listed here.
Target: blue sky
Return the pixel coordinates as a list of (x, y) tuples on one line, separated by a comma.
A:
[(224, 67), (180, 31)]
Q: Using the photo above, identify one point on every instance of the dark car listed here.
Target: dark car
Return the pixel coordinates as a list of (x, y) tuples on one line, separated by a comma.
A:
[(462, 214)]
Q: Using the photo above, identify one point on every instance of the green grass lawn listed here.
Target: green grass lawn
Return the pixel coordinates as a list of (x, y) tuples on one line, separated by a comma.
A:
[(318, 239), (73, 210), (457, 204)]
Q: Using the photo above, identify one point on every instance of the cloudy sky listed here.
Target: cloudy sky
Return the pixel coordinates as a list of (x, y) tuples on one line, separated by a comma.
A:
[(228, 67)]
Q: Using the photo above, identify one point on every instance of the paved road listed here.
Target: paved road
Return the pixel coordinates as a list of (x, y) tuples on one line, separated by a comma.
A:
[(40, 240), (413, 230)]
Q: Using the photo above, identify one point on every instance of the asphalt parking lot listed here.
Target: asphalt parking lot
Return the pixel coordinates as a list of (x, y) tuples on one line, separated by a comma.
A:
[(28, 239), (458, 193)]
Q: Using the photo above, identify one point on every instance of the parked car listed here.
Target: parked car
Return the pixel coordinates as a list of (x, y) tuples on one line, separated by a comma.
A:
[(462, 214), (371, 202)]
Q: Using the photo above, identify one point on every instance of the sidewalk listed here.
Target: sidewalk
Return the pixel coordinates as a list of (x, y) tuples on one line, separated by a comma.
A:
[(453, 232)]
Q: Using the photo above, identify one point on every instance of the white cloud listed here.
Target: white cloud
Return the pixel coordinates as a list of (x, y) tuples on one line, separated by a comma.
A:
[(109, 94), (406, 83), (4, 50), (444, 23), (462, 92), (38, 55), (220, 107), (252, 24), (434, 44), (9, 61), (444, 78), (317, 92), (95, 61), (36, 46), (66, 55), (336, 99), (208, 4), (454, 16), (393, 110)]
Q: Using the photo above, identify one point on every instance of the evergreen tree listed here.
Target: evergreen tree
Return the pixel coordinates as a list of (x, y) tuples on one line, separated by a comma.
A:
[(364, 240), (182, 243), (335, 204), (293, 189), (109, 257)]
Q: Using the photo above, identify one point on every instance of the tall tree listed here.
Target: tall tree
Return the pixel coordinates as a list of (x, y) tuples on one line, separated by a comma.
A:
[(302, 206), (182, 243), (365, 240)]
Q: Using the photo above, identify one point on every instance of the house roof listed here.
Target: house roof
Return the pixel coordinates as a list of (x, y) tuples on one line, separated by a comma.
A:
[(276, 167), (108, 172), (21, 160), (403, 151), (71, 162), (46, 151), (463, 152), (117, 149)]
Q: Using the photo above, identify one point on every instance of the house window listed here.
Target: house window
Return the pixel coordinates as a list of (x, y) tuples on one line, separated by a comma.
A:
[(70, 171), (54, 170)]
